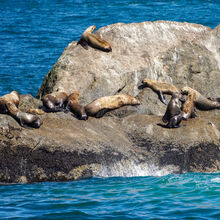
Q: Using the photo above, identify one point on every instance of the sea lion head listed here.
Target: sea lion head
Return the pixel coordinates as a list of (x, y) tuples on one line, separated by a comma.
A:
[(185, 90), (37, 122), (15, 93), (146, 82), (74, 96), (30, 120), (90, 29), (134, 101), (13, 97)]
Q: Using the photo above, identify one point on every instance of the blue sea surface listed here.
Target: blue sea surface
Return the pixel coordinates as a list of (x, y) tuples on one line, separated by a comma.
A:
[(186, 196), (33, 34)]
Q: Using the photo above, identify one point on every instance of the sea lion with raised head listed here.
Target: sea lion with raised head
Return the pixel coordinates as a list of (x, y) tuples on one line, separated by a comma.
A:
[(26, 120), (100, 106), (160, 88), (188, 107), (93, 40), (201, 102), (173, 114), (74, 106), (12, 97), (54, 102)]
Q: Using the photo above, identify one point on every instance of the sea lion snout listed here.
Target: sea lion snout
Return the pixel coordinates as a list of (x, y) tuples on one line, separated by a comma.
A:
[(84, 117), (37, 123)]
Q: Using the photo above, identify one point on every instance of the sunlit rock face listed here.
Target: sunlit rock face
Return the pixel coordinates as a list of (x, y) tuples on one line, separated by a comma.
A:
[(178, 53)]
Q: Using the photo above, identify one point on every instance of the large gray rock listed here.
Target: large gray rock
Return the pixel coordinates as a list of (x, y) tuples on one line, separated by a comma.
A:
[(128, 141), (179, 53)]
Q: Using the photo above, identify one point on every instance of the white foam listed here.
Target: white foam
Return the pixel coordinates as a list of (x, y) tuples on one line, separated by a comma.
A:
[(216, 180), (127, 168)]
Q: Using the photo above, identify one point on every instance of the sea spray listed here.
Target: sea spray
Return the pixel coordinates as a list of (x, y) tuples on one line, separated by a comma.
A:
[(129, 168)]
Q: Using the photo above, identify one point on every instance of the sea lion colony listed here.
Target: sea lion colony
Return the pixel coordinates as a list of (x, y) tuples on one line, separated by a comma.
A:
[(178, 108)]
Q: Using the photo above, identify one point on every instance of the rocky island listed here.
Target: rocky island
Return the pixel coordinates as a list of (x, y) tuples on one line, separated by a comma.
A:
[(126, 141)]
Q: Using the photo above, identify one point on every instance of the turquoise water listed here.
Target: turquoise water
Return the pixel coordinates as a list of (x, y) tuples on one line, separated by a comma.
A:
[(33, 35), (188, 196)]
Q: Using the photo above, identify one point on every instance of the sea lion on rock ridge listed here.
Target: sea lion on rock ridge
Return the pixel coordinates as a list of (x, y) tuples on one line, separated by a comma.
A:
[(188, 107), (26, 120), (100, 106), (12, 97), (201, 102), (93, 40), (173, 114), (54, 102), (160, 88), (74, 106)]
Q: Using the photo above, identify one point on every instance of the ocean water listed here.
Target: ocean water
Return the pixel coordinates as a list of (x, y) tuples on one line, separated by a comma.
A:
[(186, 196), (33, 34)]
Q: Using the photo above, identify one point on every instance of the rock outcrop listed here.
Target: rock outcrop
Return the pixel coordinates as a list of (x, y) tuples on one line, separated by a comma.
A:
[(65, 148), (127, 141), (178, 53)]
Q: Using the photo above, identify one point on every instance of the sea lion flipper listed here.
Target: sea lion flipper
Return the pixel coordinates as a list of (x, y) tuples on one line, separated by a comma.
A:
[(193, 114), (83, 43), (101, 113), (165, 118), (162, 98)]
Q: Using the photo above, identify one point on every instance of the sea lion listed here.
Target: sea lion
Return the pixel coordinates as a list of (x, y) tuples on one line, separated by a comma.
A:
[(160, 88), (36, 111), (201, 102), (188, 107), (54, 102), (12, 97), (100, 106), (173, 114), (93, 40), (74, 106), (26, 120)]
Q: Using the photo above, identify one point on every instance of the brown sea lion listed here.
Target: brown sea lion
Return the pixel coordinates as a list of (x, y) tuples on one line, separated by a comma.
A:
[(74, 106), (24, 119), (54, 102), (100, 106), (93, 40), (173, 114), (188, 107), (12, 97), (160, 88), (201, 102)]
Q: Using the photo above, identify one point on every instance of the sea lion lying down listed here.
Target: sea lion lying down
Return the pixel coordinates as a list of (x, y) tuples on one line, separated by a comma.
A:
[(100, 106), (9, 104), (160, 88), (93, 40)]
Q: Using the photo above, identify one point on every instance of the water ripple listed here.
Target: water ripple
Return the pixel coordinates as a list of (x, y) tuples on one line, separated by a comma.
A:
[(194, 196)]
